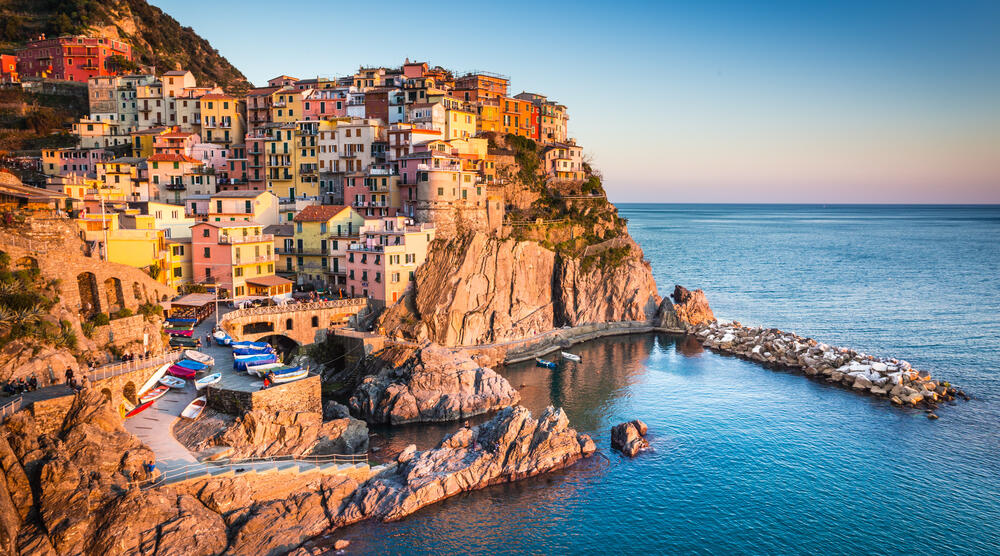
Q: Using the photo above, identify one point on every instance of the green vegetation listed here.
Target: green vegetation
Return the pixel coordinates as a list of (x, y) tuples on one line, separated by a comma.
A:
[(121, 313), (526, 156), (31, 121), (159, 40), (100, 319), (26, 300), (148, 309), (608, 258)]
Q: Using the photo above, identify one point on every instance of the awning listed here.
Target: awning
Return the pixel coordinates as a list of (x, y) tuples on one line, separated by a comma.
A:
[(195, 300), (268, 281)]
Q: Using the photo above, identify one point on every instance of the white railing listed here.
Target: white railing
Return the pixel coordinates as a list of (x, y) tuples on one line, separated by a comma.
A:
[(122, 367), (10, 408), (246, 239), (312, 306)]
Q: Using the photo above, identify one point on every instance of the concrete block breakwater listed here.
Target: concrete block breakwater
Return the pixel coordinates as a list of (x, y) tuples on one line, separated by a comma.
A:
[(890, 378)]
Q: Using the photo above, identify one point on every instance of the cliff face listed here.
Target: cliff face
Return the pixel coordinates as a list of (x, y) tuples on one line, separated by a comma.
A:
[(477, 289)]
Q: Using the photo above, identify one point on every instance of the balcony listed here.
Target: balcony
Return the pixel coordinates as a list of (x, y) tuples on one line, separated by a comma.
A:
[(254, 260), (308, 168), (304, 252), (175, 187), (246, 239)]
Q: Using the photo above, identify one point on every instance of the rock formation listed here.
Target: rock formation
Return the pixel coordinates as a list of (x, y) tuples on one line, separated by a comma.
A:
[(890, 378), (509, 447), (428, 384), (629, 438), (259, 433), (691, 307), (479, 289)]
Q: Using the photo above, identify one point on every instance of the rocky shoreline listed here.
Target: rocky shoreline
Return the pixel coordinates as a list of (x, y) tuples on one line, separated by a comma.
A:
[(891, 378)]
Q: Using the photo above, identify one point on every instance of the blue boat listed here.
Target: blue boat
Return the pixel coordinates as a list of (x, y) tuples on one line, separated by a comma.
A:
[(544, 363), (240, 362), (246, 344), (222, 339), (191, 364), (181, 319), (253, 351)]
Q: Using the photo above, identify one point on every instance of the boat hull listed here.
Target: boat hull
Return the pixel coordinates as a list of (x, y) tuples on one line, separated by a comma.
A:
[(194, 409)]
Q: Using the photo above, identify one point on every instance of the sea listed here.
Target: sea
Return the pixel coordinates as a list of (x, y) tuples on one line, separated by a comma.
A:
[(747, 460)]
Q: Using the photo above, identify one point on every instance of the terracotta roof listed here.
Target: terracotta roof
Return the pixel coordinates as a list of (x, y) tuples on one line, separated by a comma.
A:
[(173, 158), (176, 72), (178, 134), (268, 281), (262, 91), (319, 213), (151, 131), (215, 96), (285, 230)]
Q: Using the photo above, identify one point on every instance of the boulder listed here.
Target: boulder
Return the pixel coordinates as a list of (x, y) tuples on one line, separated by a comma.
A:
[(691, 307), (629, 438), (259, 434)]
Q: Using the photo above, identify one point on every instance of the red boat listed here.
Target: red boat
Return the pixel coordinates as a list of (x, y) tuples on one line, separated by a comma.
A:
[(139, 409), (185, 333), (181, 372)]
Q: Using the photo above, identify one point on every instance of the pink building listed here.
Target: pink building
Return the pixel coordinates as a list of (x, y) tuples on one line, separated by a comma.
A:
[(175, 142), (381, 265), (324, 104), (239, 258), (404, 138)]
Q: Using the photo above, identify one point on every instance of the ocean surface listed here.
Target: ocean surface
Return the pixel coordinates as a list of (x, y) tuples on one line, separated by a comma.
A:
[(747, 460)]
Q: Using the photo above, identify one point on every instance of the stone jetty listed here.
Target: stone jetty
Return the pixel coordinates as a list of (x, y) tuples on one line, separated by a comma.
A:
[(894, 379)]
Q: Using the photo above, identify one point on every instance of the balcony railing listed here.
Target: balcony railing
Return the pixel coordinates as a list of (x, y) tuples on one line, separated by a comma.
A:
[(176, 187), (254, 260), (246, 239)]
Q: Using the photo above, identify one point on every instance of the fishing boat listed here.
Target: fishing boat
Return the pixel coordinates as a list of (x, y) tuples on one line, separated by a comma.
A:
[(182, 319), (262, 368), (278, 369), (153, 380), (181, 372), (570, 356), (249, 344), (221, 338), (154, 394), (288, 377), (207, 380), (190, 364), (240, 362), (252, 350), (199, 357), (172, 381), (139, 409), (181, 341), (543, 363), (179, 325), (175, 332), (194, 409)]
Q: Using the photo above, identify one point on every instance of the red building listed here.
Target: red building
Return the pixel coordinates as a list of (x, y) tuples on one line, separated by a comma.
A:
[(8, 68), (74, 58)]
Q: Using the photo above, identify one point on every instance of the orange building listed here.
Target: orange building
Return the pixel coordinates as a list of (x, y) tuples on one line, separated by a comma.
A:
[(519, 117), (476, 87)]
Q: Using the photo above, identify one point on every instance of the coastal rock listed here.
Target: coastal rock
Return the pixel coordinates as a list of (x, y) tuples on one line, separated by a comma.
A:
[(509, 447), (480, 289), (629, 438), (172, 524), (259, 433), (429, 384), (692, 306)]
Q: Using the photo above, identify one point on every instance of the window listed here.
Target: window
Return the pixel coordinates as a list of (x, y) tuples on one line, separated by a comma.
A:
[(298, 227), (177, 272), (208, 252), (315, 321), (204, 232)]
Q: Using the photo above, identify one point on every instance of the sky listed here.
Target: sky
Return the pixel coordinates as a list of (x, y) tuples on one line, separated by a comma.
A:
[(701, 101)]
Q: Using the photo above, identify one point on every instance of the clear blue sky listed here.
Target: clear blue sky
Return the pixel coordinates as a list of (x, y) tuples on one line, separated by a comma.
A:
[(700, 101)]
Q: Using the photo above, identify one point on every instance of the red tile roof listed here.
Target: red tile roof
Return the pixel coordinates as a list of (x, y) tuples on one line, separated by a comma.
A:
[(172, 158), (319, 213)]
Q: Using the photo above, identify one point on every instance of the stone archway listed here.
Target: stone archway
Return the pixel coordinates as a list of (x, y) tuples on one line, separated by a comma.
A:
[(115, 296), (106, 392), (26, 263), (129, 393), (90, 300), (137, 291), (285, 346)]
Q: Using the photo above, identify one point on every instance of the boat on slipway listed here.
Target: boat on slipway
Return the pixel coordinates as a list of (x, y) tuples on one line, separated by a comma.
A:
[(545, 363), (194, 409), (172, 381), (198, 356), (570, 356), (207, 380)]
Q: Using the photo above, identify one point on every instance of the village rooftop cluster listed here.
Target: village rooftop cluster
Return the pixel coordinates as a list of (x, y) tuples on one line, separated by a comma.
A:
[(334, 184)]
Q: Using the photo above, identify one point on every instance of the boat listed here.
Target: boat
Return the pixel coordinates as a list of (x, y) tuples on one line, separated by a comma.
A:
[(199, 357), (288, 377), (173, 382), (262, 368), (194, 409), (185, 333), (153, 380), (153, 394), (241, 362), (221, 338), (181, 372), (207, 380), (544, 363), (139, 409), (249, 344), (181, 341), (570, 356), (276, 370), (252, 351), (182, 319), (179, 325), (190, 364)]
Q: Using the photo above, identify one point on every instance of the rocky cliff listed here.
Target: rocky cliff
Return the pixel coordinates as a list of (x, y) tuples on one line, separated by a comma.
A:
[(479, 289), (405, 385)]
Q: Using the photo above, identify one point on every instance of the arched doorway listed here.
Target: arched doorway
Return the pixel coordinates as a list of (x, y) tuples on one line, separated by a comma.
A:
[(106, 393), (90, 301), (137, 291), (128, 392), (115, 296), (285, 346)]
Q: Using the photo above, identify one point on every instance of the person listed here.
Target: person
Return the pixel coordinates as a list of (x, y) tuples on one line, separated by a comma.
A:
[(267, 381), (32, 383), (69, 376), (197, 343)]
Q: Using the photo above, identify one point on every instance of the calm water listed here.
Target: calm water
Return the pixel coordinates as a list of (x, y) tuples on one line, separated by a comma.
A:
[(752, 461)]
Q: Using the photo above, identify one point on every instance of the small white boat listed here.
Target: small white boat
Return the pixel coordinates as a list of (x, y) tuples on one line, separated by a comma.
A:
[(207, 380), (153, 394), (288, 377), (570, 356), (261, 369), (194, 409), (199, 357), (172, 381)]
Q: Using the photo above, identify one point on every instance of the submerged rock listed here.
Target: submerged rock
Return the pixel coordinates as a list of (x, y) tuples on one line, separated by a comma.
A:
[(429, 384), (629, 438), (509, 447)]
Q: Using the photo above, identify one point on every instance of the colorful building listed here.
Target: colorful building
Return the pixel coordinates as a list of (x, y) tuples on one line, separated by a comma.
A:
[(238, 258), (382, 263), (222, 120), (321, 236), (71, 57)]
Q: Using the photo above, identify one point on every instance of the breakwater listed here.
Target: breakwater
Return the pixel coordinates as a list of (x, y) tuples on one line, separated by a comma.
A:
[(890, 378)]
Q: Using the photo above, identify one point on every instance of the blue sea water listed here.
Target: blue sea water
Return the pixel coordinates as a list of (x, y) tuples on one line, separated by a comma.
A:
[(747, 460)]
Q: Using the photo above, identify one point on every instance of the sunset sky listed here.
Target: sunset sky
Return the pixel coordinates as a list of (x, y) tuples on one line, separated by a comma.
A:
[(697, 101)]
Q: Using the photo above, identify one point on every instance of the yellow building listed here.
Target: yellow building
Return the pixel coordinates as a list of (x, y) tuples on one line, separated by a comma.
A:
[(320, 239), (222, 120), (286, 105), (177, 267), (460, 123), (291, 152), (142, 141)]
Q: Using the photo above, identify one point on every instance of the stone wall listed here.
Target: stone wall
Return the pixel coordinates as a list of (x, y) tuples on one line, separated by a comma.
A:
[(563, 337), (49, 414), (131, 330), (304, 323), (300, 395)]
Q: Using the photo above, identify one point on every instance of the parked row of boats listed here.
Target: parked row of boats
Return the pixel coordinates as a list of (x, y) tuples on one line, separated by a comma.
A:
[(175, 376)]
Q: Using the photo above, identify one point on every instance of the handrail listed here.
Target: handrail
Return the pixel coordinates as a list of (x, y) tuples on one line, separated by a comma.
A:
[(181, 473), (10, 408), (122, 367), (278, 309)]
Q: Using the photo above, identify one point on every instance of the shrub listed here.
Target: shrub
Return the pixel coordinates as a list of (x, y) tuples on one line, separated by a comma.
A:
[(88, 329), (100, 319), (124, 312), (149, 309)]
